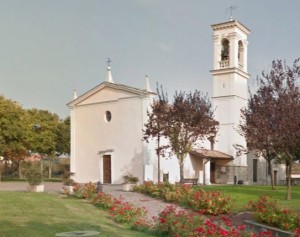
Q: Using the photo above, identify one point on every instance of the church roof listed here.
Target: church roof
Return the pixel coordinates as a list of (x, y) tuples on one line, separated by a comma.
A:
[(133, 90), (214, 154), (230, 24)]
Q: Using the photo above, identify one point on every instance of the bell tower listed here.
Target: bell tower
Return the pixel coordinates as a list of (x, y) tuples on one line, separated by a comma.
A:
[(230, 77)]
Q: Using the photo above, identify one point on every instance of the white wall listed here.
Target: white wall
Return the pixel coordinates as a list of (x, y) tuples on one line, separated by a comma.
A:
[(123, 135)]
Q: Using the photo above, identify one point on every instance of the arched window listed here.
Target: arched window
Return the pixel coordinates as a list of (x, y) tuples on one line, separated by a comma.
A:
[(108, 116), (225, 50), (241, 54)]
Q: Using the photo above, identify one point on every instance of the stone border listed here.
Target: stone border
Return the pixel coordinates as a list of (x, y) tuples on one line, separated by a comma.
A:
[(78, 233), (257, 228)]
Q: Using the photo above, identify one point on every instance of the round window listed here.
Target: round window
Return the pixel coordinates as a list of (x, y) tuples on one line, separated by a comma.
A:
[(108, 116)]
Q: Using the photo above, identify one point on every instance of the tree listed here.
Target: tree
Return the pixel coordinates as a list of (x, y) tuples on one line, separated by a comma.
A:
[(44, 134), (259, 126), (63, 136), (154, 128), (275, 111), (13, 136), (190, 120)]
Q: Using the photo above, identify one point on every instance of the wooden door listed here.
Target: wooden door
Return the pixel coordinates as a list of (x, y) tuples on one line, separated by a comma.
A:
[(107, 169), (255, 170), (212, 172), (275, 177)]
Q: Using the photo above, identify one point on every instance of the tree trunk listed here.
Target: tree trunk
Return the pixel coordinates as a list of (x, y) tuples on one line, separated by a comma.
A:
[(181, 170), (158, 159), (50, 169), (289, 172), (19, 170), (271, 174), (42, 166)]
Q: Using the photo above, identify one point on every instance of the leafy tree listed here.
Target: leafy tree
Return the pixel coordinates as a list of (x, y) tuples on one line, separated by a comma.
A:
[(63, 136), (44, 134), (154, 128), (275, 110), (190, 120), (13, 136)]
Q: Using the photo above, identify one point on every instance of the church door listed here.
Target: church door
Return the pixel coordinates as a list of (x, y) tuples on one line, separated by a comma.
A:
[(107, 169), (212, 172), (275, 177)]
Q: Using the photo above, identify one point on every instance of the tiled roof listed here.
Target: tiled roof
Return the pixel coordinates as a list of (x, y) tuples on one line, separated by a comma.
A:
[(296, 168), (214, 154)]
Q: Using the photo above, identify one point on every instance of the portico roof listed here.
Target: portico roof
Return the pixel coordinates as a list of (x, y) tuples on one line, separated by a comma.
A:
[(296, 169), (213, 154)]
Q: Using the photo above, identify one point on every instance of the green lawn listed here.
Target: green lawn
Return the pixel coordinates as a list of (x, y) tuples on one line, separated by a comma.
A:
[(24, 214), (241, 194)]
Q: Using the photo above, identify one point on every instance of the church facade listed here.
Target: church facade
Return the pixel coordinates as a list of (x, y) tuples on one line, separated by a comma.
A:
[(107, 123)]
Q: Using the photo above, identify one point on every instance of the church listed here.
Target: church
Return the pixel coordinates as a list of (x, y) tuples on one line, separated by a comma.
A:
[(107, 123)]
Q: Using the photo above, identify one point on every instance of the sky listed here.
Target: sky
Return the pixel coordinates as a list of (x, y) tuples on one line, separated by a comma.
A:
[(48, 48)]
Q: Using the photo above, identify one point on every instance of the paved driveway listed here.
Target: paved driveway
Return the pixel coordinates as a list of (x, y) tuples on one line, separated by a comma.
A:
[(22, 186)]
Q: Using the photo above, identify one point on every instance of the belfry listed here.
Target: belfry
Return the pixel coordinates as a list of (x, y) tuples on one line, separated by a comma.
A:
[(230, 88)]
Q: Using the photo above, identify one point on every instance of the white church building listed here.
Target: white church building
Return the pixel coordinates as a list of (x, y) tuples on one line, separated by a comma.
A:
[(107, 123)]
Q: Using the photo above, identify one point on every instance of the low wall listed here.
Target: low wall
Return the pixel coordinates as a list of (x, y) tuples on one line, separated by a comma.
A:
[(257, 228)]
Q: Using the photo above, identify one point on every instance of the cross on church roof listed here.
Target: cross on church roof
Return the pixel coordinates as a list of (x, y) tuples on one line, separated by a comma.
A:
[(108, 62)]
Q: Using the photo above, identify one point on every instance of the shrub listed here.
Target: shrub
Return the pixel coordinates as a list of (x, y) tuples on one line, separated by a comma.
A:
[(269, 212), (67, 180), (192, 224), (87, 191), (121, 212), (130, 179), (33, 176), (212, 202), (103, 201), (124, 212)]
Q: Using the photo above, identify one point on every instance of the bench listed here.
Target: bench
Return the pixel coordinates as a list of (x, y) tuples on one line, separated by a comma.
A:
[(190, 181)]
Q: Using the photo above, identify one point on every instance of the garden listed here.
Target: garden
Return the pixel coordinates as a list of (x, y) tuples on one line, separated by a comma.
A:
[(206, 211), (193, 211)]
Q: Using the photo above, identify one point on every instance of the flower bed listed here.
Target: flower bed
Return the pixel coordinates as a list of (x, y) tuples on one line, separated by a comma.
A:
[(269, 212), (170, 222), (213, 203), (120, 211), (191, 224)]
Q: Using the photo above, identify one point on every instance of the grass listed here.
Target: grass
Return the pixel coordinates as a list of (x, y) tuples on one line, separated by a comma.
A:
[(41, 214), (241, 194)]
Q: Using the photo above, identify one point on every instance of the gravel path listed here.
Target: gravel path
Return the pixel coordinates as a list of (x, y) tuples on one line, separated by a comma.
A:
[(152, 205)]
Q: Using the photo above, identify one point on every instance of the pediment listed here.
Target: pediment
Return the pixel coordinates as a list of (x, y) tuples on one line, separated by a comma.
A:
[(107, 92)]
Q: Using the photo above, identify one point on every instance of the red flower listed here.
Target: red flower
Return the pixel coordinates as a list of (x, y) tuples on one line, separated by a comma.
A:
[(241, 227)]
